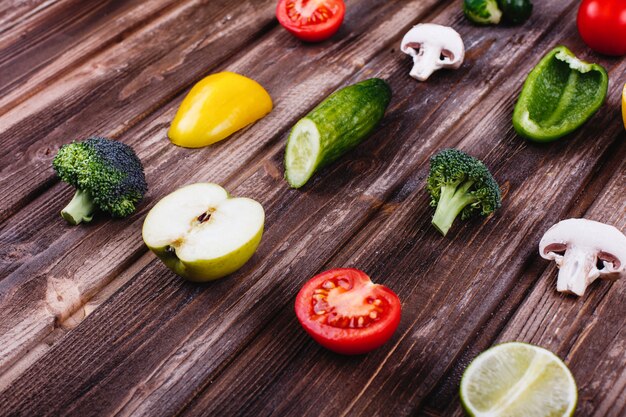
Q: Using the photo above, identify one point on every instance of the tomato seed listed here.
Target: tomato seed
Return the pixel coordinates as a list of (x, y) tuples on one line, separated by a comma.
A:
[(344, 283), (328, 285)]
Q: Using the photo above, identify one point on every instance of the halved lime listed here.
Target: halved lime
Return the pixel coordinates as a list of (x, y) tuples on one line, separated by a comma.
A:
[(518, 380)]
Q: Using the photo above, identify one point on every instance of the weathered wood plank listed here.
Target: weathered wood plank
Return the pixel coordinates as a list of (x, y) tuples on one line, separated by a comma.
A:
[(300, 96), (451, 316), (443, 400), (25, 309), (166, 339), (304, 263), (23, 239), (16, 12), (43, 344), (67, 33), (283, 372), (587, 332), (119, 87)]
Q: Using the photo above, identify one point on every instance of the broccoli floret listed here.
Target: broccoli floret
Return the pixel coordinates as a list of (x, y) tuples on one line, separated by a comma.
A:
[(107, 175), (459, 183), (482, 12)]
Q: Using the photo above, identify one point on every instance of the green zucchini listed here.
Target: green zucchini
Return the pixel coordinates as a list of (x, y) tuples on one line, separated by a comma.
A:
[(336, 125)]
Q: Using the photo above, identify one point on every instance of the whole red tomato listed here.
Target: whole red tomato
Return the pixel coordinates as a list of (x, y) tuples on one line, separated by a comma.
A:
[(344, 311), (602, 25)]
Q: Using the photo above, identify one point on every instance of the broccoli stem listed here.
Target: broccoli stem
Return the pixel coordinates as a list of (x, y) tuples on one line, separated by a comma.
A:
[(80, 209), (452, 201)]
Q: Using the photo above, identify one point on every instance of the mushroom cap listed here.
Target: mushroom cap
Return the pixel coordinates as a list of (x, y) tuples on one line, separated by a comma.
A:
[(442, 37), (605, 240)]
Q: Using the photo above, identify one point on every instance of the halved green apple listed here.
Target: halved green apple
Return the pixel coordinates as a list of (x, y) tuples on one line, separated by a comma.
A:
[(201, 233)]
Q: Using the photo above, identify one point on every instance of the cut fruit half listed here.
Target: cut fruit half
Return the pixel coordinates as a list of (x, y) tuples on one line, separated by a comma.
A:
[(518, 380), (201, 233), (303, 153)]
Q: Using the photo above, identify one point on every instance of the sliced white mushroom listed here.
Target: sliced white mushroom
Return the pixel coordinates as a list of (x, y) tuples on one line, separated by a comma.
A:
[(432, 47), (584, 250)]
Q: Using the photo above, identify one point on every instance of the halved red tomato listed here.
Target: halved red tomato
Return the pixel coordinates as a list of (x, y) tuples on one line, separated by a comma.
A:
[(311, 20), (344, 311)]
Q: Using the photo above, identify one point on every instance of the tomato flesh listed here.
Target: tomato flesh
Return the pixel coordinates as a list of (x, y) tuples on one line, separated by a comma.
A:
[(344, 311), (602, 25), (311, 20)]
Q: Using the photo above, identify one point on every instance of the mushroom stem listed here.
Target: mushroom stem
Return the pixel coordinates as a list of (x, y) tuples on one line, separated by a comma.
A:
[(424, 64), (576, 271)]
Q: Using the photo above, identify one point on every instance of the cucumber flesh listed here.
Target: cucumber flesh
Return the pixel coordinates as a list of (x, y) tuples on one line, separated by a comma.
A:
[(303, 151), (338, 124)]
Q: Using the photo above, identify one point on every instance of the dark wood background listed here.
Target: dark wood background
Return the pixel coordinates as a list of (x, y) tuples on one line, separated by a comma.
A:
[(92, 324)]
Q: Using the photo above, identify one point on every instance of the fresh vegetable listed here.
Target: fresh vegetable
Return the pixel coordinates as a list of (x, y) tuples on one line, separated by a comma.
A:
[(432, 47), (460, 184), (216, 107), (344, 311), (602, 25), (107, 175), (559, 95), (482, 12), (335, 126), (201, 233), (518, 380), (624, 105), (584, 250), (311, 20), (516, 11)]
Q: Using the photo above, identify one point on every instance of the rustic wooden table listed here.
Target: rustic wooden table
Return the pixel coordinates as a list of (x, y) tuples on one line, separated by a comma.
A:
[(92, 324)]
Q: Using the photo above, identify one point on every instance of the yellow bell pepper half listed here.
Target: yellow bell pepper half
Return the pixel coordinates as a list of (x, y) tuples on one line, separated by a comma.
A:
[(216, 107)]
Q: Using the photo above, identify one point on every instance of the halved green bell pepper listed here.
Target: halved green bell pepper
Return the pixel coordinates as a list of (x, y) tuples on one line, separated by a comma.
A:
[(560, 94)]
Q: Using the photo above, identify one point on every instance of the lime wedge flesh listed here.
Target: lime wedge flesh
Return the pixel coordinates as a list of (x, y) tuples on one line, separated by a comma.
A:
[(518, 380)]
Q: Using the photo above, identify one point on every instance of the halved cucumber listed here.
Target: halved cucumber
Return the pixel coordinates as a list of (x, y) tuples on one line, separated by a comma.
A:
[(302, 154), (335, 126)]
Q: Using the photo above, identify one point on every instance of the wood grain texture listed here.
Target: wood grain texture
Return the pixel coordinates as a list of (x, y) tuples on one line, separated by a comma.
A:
[(14, 13), (94, 325), (119, 87), (62, 36), (443, 400), (451, 299), (26, 308)]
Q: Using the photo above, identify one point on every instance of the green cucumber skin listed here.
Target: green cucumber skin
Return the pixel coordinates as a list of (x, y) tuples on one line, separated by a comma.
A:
[(347, 116)]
